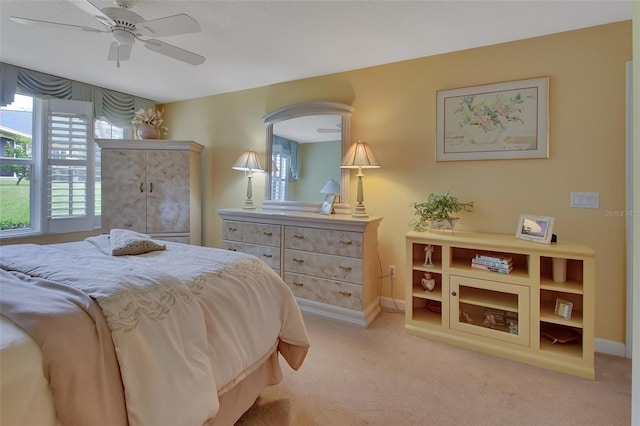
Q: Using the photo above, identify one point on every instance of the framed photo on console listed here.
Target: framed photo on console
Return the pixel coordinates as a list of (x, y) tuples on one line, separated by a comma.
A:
[(327, 205), (535, 228)]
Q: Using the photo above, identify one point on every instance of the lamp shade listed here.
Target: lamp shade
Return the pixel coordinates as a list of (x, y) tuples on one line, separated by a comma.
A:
[(248, 162), (359, 155), (331, 187)]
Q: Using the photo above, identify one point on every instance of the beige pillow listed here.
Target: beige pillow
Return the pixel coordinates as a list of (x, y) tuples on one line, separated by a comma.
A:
[(122, 242)]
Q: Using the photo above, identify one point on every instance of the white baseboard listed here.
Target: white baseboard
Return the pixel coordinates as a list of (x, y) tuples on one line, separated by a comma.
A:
[(609, 347), (392, 304), (602, 346)]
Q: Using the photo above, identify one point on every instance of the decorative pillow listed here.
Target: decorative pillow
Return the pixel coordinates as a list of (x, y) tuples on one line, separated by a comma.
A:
[(122, 242)]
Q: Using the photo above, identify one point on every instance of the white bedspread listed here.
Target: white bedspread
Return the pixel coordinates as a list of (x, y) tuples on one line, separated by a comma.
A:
[(187, 323)]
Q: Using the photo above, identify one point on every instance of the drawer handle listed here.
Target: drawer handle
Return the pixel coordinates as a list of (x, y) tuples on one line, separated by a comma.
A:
[(298, 261), (300, 237), (297, 284), (346, 243), (268, 234), (346, 268), (233, 229), (232, 249), (344, 293), (267, 255)]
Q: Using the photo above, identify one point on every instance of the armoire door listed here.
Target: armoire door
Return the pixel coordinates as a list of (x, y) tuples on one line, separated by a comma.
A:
[(124, 192), (168, 191)]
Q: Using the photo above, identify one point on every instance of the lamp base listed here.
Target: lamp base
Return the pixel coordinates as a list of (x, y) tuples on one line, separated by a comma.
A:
[(248, 205), (360, 211)]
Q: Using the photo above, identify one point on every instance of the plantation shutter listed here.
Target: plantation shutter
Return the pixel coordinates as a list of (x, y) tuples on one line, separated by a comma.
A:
[(279, 176), (69, 165)]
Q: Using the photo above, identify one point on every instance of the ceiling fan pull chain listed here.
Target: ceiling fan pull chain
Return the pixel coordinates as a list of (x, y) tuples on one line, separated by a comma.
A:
[(118, 56)]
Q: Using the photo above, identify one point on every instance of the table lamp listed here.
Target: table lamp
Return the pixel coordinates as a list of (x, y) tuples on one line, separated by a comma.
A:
[(249, 163), (360, 156)]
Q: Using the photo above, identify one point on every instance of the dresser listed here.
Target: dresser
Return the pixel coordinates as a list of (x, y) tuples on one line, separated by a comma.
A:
[(153, 187), (328, 261)]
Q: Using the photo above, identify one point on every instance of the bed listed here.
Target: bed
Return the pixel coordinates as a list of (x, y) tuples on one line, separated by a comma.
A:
[(178, 335)]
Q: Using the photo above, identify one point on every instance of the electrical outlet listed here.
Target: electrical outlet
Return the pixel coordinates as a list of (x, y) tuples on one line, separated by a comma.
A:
[(392, 271)]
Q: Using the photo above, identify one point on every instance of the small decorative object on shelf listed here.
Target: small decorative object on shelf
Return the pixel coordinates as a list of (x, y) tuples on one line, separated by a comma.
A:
[(428, 252), (563, 308), (489, 320), (149, 124), (428, 283), (513, 327), (435, 213), (559, 269), (465, 317)]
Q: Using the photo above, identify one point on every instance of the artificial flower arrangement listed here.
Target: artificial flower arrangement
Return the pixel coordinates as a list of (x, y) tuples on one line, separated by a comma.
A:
[(151, 117)]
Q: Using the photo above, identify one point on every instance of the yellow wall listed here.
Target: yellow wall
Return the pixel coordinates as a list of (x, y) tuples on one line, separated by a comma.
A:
[(395, 108)]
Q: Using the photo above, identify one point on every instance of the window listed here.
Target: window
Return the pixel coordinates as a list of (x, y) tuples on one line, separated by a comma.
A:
[(50, 166)]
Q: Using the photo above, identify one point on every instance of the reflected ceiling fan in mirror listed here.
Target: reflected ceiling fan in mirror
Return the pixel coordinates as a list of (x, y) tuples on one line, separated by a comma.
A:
[(337, 129), (127, 26)]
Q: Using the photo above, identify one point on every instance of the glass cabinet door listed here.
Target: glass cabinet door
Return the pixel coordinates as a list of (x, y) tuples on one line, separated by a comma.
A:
[(490, 309)]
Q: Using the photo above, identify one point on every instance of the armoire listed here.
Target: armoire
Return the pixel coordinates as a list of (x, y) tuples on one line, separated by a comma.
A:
[(153, 187)]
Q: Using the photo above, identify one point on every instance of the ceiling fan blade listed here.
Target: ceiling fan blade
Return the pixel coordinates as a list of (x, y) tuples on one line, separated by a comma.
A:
[(93, 10), (171, 25), (119, 52), (173, 52), (329, 130), (29, 21)]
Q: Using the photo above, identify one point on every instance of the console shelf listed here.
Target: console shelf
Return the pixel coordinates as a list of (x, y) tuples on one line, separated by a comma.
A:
[(515, 313)]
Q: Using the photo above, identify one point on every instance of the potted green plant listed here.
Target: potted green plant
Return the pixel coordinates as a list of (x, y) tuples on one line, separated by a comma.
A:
[(436, 211)]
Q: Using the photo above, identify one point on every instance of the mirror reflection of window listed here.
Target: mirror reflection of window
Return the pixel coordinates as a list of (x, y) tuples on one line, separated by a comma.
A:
[(279, 174), (286, 159)]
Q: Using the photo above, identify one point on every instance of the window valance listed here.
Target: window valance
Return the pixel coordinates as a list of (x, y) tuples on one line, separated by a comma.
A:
[(115, 107), (289, 148)]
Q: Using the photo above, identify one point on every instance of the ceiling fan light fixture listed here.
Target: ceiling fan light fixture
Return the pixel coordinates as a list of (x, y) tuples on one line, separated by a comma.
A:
[(123, 23), (123, 37)]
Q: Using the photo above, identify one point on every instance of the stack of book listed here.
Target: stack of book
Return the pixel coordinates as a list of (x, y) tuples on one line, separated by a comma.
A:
[(493, 263)]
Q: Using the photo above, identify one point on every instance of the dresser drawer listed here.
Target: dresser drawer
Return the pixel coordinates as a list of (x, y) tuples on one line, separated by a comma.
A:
[(256, 233), (270, 255), (324, 290), (343, 243), (324, 265)]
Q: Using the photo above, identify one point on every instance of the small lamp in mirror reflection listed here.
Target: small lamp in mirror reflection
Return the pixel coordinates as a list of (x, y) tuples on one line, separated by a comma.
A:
[(249, 163), (331, 190), (360, 156)]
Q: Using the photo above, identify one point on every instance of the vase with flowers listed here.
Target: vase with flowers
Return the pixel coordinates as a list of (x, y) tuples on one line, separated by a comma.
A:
[(149, 124), (484, 121)]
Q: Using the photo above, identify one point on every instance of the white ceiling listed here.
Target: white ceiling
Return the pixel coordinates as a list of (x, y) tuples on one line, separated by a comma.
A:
[(250, 44)]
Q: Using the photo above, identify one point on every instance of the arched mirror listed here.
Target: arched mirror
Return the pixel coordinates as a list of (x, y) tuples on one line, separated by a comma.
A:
[(305, 143)]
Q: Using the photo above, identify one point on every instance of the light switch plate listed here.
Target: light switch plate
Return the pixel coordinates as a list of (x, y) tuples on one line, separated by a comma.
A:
[(585, 200)]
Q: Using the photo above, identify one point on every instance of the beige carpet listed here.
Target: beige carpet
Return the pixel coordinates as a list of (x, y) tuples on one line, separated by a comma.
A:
[(382, 376)]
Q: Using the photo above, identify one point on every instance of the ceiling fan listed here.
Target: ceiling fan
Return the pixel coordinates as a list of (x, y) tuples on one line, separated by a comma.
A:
[(338, 129), (127, 26)]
